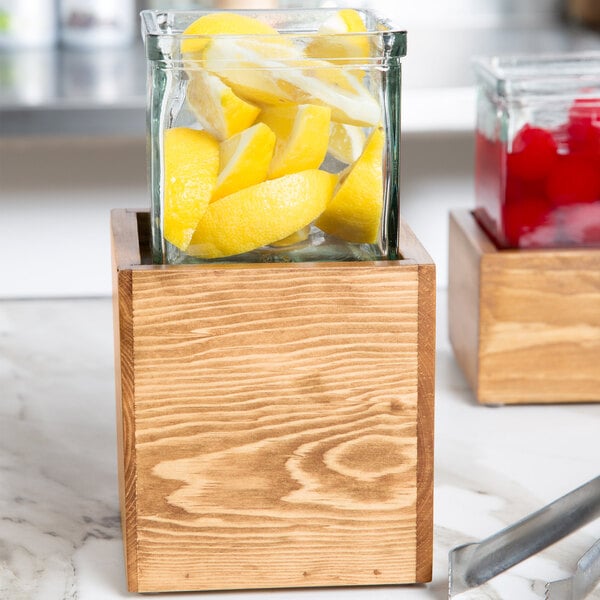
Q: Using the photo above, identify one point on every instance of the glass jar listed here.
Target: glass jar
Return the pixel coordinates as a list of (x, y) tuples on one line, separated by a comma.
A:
[(537, 167), (272, 136)]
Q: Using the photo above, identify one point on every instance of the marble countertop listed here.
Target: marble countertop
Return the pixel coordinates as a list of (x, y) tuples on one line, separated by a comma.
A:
[(59, 522)]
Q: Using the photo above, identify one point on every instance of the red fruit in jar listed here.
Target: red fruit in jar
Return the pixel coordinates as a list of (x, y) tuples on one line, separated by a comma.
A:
[(574, 179), (582, 224), (533, 153), (517, 189), (523, 215), (583, 127)]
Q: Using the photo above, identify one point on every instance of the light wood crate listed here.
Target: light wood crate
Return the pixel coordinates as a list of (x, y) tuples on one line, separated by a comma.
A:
[(275, 421), (524, 324)]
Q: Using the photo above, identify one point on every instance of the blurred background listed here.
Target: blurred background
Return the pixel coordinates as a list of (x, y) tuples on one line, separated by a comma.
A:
[(72, 119)]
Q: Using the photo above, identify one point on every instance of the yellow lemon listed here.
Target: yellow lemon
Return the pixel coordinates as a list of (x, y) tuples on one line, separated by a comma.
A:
[(191, 165), (302, 137), (346, 142), (228, 23), (354, 212), (261, 214), (250, 66), (244, 160), (330, 44), (322, 82), (278, 74), (216, 107)]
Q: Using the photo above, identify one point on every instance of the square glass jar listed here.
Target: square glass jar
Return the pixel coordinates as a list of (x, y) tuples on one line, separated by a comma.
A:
[(273, 137), (537, 165)]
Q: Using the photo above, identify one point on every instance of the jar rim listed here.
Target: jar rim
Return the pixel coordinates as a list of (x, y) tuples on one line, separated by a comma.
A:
[(171, 23), (540, 74)]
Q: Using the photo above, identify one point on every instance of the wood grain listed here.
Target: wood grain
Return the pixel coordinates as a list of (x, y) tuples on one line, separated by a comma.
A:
[(539, 322), (278, 437)]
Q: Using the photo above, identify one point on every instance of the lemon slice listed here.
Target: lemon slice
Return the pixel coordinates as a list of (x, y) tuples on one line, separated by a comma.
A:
[(216, 107), (322, 82), (249, 67), (244, 159), (346, 142), (190, 172), (228, 23), (261, 214), (329, 44), (302, 137), (354, 212), (266, 68), (275, 74)]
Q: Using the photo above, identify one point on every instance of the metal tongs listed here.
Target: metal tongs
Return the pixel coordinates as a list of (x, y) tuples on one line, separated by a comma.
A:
[(471, 565)]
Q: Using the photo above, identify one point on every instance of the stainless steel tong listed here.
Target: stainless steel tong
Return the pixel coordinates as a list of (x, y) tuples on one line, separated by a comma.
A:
[(471, 565), (582, 582)]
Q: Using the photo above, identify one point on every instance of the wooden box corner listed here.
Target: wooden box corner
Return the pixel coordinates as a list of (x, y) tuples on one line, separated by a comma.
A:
[(524, 324)]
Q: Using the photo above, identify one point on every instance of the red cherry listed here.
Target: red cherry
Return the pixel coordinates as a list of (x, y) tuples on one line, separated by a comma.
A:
[(523, 216), (518, 190), (533, 153), (583, 127), (574, 179), (582, 223)]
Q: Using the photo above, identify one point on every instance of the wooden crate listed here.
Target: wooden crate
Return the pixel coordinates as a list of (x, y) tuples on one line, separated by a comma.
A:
[(524, 324), (275, 420)]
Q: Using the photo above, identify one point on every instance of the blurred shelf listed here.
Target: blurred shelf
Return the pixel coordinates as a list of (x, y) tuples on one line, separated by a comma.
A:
[(439, 95), (103, 92), (45, 92)]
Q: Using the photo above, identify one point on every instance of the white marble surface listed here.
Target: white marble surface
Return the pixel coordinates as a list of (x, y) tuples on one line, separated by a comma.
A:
[(59, 524)]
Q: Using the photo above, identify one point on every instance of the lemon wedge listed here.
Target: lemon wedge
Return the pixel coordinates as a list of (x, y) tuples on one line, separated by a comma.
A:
[(216, 107), (321, 82), (329, 44), (283, 76), (261, 214), (354, 212), (191, 165), (346, 142), (278, 73), (249, 67), (228, 23), (244, 159), (302, 137)]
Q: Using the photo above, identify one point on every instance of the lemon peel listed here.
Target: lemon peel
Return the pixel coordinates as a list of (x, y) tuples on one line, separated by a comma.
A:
[(354, 212), (244, 159), (191, 165), (262, 214)]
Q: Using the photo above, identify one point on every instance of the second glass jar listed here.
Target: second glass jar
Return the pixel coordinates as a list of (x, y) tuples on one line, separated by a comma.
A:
[(537, 170)]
